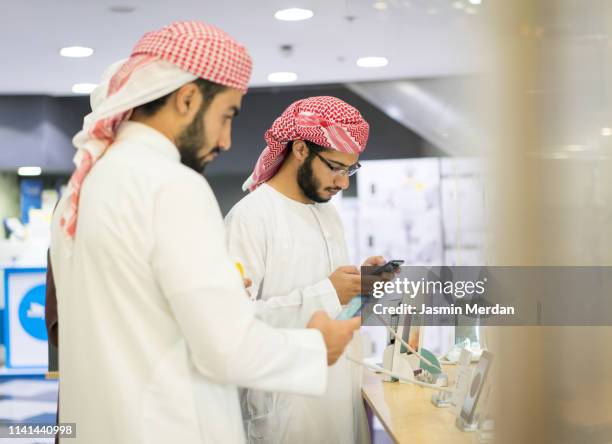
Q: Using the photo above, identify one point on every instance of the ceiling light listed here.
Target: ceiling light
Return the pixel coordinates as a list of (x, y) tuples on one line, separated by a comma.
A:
[(372, 62), (458, 5), (475, 2), (282, 77), (29, 171), (76, 51), (381, 6), (606, 132), (395, 112), (83, 88), (293, 14)]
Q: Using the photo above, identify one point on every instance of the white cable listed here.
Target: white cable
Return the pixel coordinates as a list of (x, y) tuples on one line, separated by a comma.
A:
[(376, 368), (405, 344)]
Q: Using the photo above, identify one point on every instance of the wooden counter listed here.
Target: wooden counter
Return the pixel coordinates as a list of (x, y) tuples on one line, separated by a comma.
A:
[(406, 412)]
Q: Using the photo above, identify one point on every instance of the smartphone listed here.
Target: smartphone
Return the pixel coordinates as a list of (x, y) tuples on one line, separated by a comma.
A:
[(353, 308), (389, 266)]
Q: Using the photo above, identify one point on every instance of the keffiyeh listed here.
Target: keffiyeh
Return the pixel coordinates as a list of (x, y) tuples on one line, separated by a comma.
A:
[(324, 120), (161, 62)]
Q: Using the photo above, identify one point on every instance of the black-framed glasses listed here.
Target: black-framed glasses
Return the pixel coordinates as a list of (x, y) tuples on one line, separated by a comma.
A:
[(337, 170)]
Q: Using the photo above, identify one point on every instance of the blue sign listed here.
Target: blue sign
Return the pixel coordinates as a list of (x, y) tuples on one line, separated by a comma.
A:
[(32, 313), (25, 332), (30, 196)]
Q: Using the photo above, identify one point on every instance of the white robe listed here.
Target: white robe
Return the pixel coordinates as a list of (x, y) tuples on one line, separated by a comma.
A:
[(155, 328), (289, 249)]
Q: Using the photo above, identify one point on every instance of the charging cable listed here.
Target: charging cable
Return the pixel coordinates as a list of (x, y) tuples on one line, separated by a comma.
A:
[(384, 371)]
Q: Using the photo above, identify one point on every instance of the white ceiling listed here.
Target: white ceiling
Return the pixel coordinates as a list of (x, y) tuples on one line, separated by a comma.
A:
[(421, 38)]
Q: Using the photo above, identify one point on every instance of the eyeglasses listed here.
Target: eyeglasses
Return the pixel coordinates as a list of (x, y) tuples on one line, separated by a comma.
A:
[(339, 171)]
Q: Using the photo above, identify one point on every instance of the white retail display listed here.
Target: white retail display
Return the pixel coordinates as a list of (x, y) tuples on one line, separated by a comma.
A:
[(426, 211)]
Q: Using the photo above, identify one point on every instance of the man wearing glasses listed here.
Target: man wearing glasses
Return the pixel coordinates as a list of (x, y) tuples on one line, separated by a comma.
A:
[(291, 243)]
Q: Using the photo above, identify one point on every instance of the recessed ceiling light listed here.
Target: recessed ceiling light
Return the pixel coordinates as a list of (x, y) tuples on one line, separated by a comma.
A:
[(394, 111), (293, 14), (475, 2), (381, 6), (606, 132), (29, 171), (372, 62), (83, 88), (76, 51), (282, 77)]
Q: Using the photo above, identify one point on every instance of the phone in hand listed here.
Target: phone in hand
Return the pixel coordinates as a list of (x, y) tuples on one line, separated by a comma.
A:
[(388, 267), (352, 309)]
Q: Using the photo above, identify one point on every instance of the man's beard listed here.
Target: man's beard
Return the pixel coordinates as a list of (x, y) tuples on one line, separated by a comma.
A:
[(308, 183), (191, 140)]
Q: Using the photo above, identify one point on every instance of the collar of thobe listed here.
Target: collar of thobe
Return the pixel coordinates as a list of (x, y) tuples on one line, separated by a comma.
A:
[(313, 205), (142, 134)]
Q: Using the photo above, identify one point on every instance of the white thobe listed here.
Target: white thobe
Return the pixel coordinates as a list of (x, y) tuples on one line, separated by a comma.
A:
[(155, 328), (289, 249)]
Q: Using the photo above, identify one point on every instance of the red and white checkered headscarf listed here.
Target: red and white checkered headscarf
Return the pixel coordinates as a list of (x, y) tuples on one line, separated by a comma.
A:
[(324, 120), (161, 62)]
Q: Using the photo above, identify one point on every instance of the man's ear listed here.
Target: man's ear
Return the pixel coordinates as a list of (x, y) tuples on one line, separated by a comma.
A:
[(299, 150), (187, 100)]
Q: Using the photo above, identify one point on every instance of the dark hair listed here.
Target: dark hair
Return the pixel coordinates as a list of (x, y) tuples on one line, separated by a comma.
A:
[(313, 148), (208, 89)]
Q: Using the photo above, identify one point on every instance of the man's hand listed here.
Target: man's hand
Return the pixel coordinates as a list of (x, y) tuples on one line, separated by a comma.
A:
[(336, 334), (367, 280), (347, 282)]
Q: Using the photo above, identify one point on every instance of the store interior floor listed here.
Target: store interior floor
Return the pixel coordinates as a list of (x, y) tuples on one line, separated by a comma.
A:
[(27, 400)]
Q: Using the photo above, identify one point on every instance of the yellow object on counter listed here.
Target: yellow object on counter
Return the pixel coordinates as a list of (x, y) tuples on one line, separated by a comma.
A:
[(240, 269)]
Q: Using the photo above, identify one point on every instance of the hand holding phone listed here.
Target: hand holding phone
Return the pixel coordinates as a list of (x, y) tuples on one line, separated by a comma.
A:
[(389, 267)]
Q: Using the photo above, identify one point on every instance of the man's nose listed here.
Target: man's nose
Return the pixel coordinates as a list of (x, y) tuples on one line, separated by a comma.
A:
[(342, 182), (225, 142)]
